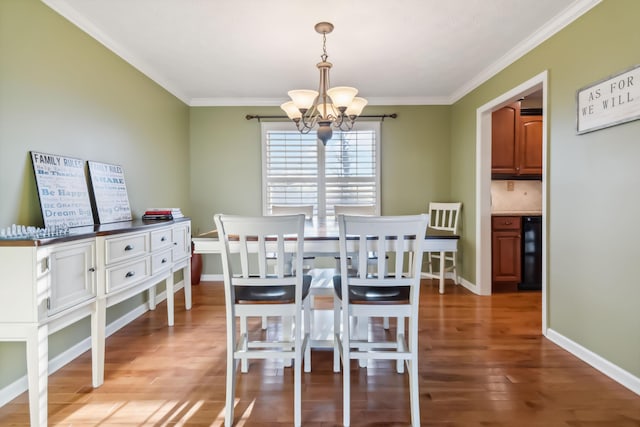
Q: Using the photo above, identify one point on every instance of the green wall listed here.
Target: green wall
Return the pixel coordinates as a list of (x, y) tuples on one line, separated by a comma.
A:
[(226, 171), (592, 182), (62, 92)]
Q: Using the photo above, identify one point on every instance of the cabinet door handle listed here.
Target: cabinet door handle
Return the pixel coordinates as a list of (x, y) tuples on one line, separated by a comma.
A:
[(128, 248), (130, 274), (163, 239), (164, 260), (92, 270)]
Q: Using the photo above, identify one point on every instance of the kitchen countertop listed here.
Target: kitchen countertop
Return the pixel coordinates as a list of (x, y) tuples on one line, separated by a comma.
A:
[(516, 213)]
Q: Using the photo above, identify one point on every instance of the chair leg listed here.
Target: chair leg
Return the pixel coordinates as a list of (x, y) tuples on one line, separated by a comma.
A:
[(346, 376), (400, 331), (385, 323), (362, 333), (430, 262), (232, 367), (455, 269), (287, 323), (243, 331), (297, 380), (264, 323), (336, 332), (306, 314), (414, 390)]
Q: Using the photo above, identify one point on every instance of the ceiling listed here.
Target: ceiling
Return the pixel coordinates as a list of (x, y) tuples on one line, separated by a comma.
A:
[(251, 52)]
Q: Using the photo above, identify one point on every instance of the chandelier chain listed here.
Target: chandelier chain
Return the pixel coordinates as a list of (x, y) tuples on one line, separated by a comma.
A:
[(324, 55)]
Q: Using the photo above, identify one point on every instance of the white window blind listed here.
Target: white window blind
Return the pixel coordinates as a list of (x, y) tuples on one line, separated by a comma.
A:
[(298, 170)]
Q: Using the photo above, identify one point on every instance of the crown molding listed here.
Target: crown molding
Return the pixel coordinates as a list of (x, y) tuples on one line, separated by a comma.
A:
[(573, 12), (236, 102), (66, 11), (276, 102)]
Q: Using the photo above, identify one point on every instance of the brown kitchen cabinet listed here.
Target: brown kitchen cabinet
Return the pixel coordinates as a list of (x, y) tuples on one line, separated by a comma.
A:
[(506, 250), (516, 142)]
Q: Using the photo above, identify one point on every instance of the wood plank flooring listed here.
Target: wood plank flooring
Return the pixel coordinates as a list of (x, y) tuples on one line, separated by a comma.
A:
[(483, 362)]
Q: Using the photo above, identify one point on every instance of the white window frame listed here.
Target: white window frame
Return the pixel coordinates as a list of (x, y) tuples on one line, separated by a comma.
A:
[(267, 127)]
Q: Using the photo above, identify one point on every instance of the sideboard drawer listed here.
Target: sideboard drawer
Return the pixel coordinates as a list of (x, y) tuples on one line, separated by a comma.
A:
[(123, 248), (161, 239), (161, 261), (127, 274)]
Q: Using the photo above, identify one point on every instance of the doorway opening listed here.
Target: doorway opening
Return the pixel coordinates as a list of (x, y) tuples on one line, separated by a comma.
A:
[(483, 184)]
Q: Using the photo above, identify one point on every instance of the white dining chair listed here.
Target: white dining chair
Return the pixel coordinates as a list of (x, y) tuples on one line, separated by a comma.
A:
[(371, 294), (307, 210), (250, 290), (355, 210), (443, 216)]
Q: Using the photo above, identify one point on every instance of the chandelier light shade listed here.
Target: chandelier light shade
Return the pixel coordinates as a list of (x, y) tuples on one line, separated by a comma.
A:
[(337, 107)]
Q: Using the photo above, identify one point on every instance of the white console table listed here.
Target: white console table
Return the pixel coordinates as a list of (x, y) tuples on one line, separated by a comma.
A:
[(48, 284)]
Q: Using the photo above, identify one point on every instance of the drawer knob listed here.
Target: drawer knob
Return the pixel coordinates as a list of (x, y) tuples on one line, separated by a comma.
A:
[(130, 274), (92, 270), (163, 239), (128, 248), (164, 260)]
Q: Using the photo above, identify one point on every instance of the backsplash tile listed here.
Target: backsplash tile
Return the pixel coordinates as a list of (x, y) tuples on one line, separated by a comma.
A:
[(526, 197)]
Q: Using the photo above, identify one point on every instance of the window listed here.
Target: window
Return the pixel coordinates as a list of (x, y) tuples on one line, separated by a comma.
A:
[(298, 170)]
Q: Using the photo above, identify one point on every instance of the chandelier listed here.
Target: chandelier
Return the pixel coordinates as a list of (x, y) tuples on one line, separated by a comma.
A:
[(336, 107)]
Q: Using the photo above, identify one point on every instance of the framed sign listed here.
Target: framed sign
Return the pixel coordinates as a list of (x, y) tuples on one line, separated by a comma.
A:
[(610, 101), (109, 192), (62, 190)]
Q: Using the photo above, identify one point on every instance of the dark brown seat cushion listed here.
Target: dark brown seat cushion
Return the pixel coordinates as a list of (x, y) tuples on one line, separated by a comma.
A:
[(374, 294), (272, 293)]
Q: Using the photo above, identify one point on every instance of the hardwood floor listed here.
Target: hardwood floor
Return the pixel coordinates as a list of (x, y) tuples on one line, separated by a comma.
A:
[(483, 362)]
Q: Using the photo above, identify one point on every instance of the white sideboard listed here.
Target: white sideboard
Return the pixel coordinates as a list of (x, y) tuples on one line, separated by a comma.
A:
[(48, 284)]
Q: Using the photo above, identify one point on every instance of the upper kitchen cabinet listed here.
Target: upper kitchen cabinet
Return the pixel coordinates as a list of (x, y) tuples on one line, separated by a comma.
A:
[(516, 146), (530, 145)]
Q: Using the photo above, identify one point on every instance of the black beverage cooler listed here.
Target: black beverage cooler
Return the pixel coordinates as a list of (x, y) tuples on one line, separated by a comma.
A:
[(531, 253)]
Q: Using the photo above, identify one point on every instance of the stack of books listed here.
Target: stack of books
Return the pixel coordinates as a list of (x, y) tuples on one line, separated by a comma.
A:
[(162, 214)]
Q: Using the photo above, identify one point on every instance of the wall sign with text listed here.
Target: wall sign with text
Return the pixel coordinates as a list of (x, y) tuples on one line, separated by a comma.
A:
[(62, 190), (109, 192), (610, 101)]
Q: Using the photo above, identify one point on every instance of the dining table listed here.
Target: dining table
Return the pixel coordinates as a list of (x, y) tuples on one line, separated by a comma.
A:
[(321, 238)]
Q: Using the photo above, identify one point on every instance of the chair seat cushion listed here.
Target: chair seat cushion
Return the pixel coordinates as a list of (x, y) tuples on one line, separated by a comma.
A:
[(268, 294), (376, 294)]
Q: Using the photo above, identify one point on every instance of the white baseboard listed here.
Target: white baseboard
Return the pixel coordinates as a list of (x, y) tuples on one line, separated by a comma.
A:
[(212, 278), (468, 285), (614, 372), (461, 281), (19, 386)]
